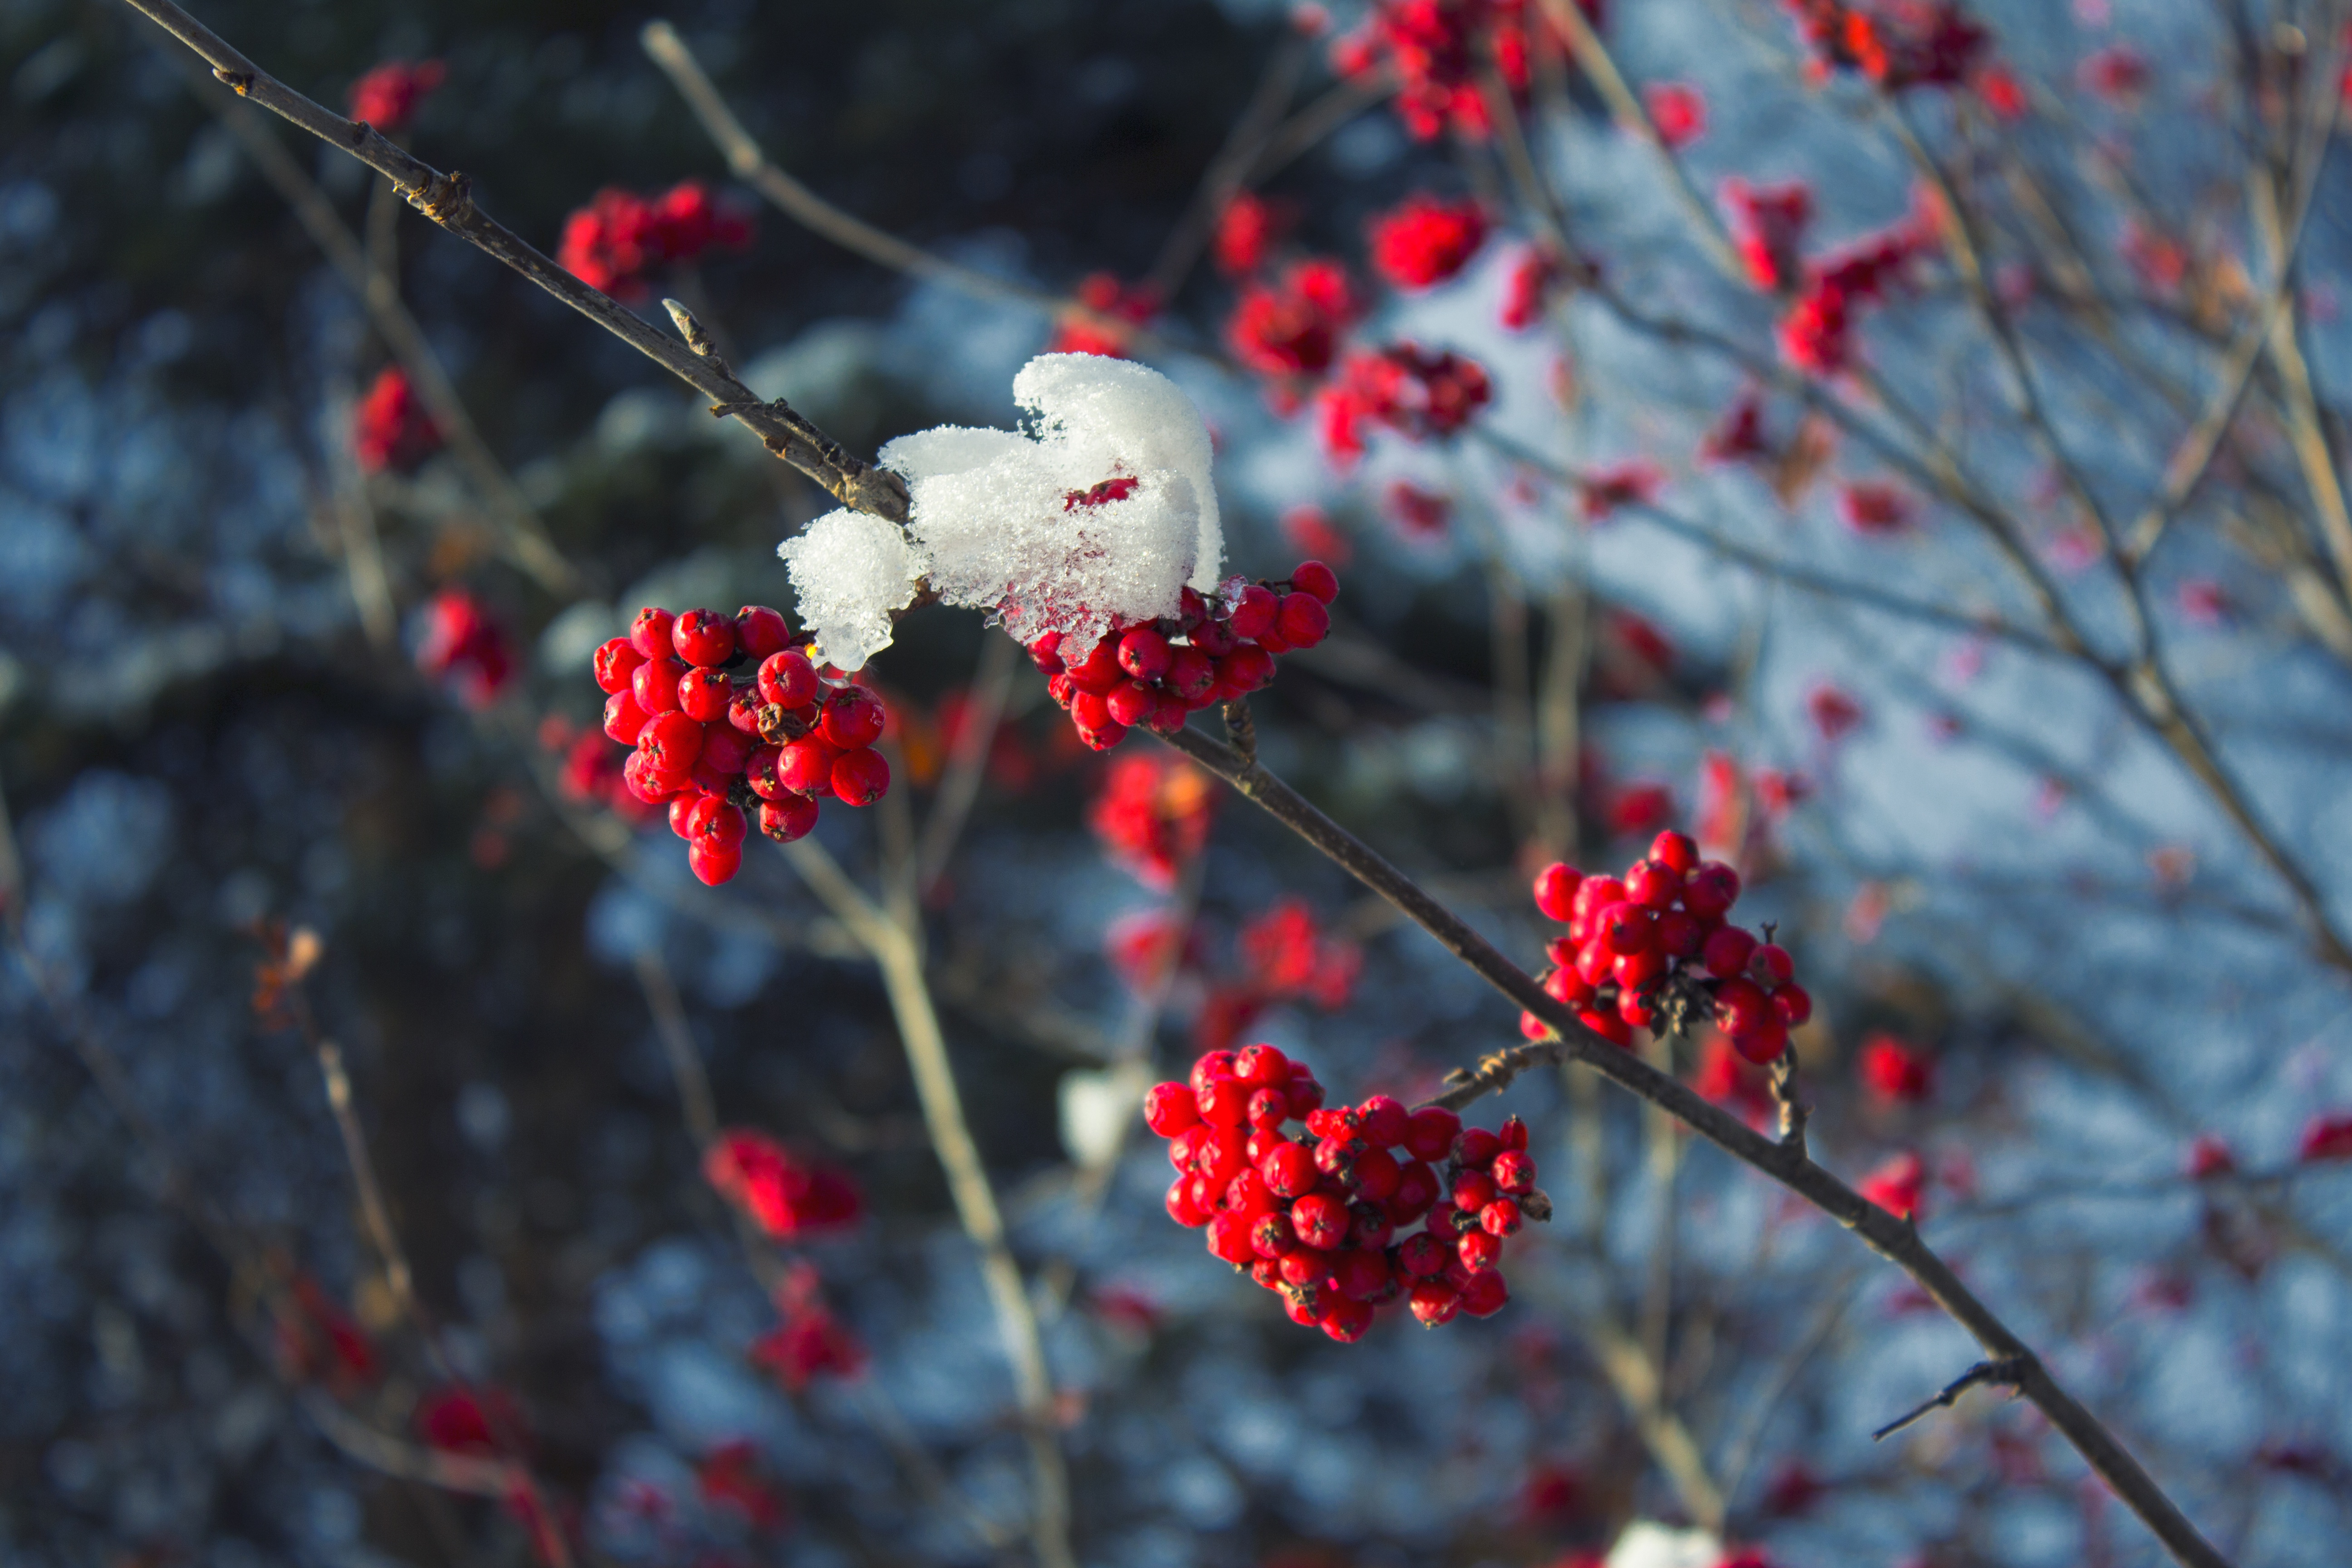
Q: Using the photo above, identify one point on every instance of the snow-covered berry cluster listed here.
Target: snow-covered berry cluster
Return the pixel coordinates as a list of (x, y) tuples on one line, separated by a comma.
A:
[(1657, 945), (718, 748), (1317, 1218), (1209, 652)]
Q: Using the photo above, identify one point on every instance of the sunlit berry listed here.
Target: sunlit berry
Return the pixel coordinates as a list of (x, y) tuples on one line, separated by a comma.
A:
[(655, 684), (1435, 1303), (1320, 1220), (1169, 1108), (1479, 1248), (788, 679), (1314, 577), (703, 637), (787, 817), (703, 694), (614, 662), (649, 633), (1556, 888), (853, 719), (1676, 852), (1741, 1007), (1144, 654), (623, 720), (713, 863), (1793, 1003), (805, 766), (761, 631), (671, 742), (1726, 951), (1710, 890)]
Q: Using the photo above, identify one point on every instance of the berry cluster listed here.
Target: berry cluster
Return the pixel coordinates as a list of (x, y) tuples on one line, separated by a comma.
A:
[(390, 429), (1158, 672), (1104, 294), (1895, 43), (1425, 241), (1291, 326), (1439, 51), (388, 96), (1404, 388), (615, 241), (714, 746), (464, 644), (1317, 1218), (1656, 945)]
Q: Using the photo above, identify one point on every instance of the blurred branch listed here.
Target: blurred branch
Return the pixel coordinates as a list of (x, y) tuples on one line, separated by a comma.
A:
[(2006, 1372), (520, 532), (1634, 1373), (983, 713), (898, 955), (1230, 170), (447, 200), (1897, 1240)]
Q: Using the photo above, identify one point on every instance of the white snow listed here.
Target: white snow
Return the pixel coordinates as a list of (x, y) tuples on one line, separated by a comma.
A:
[(850, 570), (1647, 1545)]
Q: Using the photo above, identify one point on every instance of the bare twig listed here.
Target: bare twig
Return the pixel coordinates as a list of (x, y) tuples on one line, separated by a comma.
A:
[(1634, 1373), (1897, 1240), (896, 952), (447, 200), (2006, 1372), (1230, 169), (967, 765)]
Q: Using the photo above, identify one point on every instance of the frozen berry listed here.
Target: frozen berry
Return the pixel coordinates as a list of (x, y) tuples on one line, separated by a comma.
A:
[(1255, 608), (1144, 654)]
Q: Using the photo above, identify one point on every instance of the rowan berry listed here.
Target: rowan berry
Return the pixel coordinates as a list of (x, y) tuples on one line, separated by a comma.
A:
[(1347, 1320), (1629, 928), (1680, 934), (703, 695), (1374, 1173), (759, 632), (1513, 1135), (1654, 883), (1267, 1107), (1271, 1235), (614, 662), (1182, 1209), (1246, 669), (1435, 1303), (1556, 887), (623, 720), (1304, 1266), (1321, 1220), (713, 862), (1305, 1092), (703, 637), (1476, 1147), (805, 766), (1500, 1219), (1773, 965), (655, 684), (1360, 1275), (1472, 1191), (1371, 1227), (853, 720), (649, 633), (1262, 1066), (681, 814), (1514, 1173), (1171, 1108), (1484, 1294), (1741, 1007), (1793, 1003), (1417, 1188), (1229, 1239), (1216, 1064), (1479, 1248), (1301, 621), (1223, 1154), (1711, 889), (1248, 1194), (671, 742), (1383, 1120), (1676, 851), (792, 816), (1726, 951), (1289, 1169), (1225, 1101), (1763, 1043), (1429, 1132), (788, 679)]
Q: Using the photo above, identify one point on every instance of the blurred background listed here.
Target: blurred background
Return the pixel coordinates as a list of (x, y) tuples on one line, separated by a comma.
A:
[(299, 745)]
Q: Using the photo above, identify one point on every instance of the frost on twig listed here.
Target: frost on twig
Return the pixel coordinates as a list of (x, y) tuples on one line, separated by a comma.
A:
[(1103, 510)]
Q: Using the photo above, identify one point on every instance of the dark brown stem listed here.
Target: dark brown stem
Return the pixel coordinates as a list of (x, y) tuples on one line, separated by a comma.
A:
[(1894, 1239), (1997, 1372), (448, 201)]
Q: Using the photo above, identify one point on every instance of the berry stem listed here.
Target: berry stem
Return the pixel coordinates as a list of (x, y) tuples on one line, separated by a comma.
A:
[(1794, 1111), (1894, 1240)]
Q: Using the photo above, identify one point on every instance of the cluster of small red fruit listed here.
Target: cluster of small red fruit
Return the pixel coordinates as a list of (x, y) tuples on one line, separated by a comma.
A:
[(1159, 672), (1658, 940), (714, 746), (1316, 1218)]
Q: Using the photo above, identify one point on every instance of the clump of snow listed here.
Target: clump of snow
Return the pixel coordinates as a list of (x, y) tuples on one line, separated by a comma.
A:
[(850, 570), (1647, 1545), (1040, 529)]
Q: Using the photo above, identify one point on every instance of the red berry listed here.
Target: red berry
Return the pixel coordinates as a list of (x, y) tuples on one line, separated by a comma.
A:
[(1376, 1172), (1513, 1135), (614, 664), (788, 679), (1169, 1108), (1634, 971), (1222, 1154), (703, 695), (1225, 1101), (805, 766), (1099, 671), (1302, 621), (1321, 1220), (1271, 1235), (1289, 1171), (789, 818), (1046, 653), (1262, 1066), (623, 720), (1248, 1194), (1215, 638), (1513, 1172), (724, 826), (1229, 1239), (1268, 1108), (1429, 1132), (1675, 850), (648, 785), (1477, 1148), (1304, 1266), (1144, 654), (1764, 1043), (759, 773), (1473, 1190), (1484, 1294), (1500, 1219), (1383, 1120), (1654, 884), (655, 684), (1132, 702), (1567, 987), (1089, 711), (1191, 676), (1246, 669), (1773, 961), (1593, 962), (671, 742), (1608, 1026), (1314, 577), (1417, 1190), (743, 710), (726, 749), (649, 633), (1435, 1301), (1213, 1064), (1478, 1248), (1679, 934), (1594, 894), (1628, 928), (1254, 613), (1741, 1007), (761, 631), (853, 720), (860, 777), (1556, 887), (1182, 1209), (1726, 951), (1360, 1275), (1793, 1003), (1305, 1093), (681, 814), (713, 862), (1711, 889), (1345, 1321), (703, 637)]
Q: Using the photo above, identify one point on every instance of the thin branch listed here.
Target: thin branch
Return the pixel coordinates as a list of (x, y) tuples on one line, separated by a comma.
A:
[(447, 200), (2005, 1373), (1634, 1374), (1895, 1239), (1229, 171), (967, 765), (896, 952)]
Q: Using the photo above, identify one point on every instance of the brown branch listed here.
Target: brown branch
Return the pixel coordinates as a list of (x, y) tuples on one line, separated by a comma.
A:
[(1897, 1240), (448, 201)]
